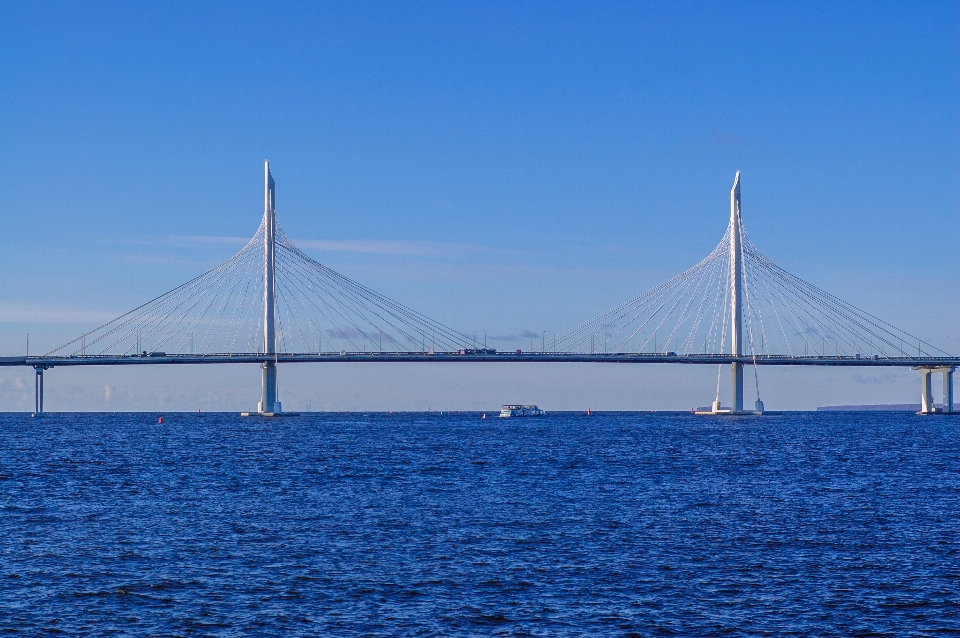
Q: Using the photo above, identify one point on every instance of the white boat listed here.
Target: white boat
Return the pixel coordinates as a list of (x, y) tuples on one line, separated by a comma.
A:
[(520, 410)]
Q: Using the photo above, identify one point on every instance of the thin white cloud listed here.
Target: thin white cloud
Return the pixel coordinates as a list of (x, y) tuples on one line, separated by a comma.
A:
[(34, 313), (377, 247), (145, 258), (523, 336), (726, 138), (207, 239), (389, 247)]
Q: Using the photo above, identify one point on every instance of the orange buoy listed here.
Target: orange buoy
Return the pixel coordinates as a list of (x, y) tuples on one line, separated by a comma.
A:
[(160, 420)]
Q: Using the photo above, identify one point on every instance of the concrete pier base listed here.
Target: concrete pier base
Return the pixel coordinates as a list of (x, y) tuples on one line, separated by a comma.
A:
[(729, 412), (927, 405), (38, 392), (926, 392), (268, 390), (736, 386), (736, 397), (947, 389)]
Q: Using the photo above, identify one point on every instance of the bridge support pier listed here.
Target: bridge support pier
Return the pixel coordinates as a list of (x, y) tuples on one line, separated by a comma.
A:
[(736, 387), (38, 391), (926, 389), (947, 389), (268, 389)]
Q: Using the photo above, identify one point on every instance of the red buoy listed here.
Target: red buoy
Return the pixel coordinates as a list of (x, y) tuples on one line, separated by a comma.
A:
[(160, 420), (588, 411)]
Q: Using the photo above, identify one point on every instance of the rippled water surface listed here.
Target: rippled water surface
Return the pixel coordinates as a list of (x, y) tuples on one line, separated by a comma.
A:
[(417, 524)]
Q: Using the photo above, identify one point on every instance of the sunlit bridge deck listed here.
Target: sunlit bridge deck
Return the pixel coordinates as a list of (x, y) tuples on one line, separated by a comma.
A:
[(456, 357)]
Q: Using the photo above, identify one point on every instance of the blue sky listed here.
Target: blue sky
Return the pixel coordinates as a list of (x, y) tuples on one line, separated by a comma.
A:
[(508, 167)]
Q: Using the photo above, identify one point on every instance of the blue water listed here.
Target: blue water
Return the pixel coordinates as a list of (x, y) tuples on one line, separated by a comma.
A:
[(414, 524)]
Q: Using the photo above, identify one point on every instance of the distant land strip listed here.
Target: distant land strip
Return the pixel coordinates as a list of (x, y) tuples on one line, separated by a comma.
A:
[(886, 407)]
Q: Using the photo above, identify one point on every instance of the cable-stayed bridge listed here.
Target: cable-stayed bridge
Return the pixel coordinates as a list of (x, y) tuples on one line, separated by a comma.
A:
[(271, 303)]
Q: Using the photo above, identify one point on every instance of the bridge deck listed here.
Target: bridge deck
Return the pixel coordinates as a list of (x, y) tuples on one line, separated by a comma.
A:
[(449, 357)]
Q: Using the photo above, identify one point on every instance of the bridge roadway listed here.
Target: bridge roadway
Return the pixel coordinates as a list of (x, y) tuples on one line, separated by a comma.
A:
[(44, 362)]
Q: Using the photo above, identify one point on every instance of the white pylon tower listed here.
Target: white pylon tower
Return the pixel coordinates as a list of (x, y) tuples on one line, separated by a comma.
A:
[(736, 297), (268, 393)]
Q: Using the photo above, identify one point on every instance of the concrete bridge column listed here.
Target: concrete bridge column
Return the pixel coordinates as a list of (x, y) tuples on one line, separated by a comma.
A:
[(736, 387), (38, 391), (947, 388), (926, 391), (268, 391)]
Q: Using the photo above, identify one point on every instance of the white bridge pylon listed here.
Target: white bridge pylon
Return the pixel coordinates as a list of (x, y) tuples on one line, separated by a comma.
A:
[(268, 391), (737, 302), (269, 298)]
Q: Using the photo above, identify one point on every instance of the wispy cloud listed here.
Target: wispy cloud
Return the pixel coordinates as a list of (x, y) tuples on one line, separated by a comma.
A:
[(526, 334), (33, 313), (726, 138), (377, 247), (150, 258), (388, 247), (208, 239), (886, 377)]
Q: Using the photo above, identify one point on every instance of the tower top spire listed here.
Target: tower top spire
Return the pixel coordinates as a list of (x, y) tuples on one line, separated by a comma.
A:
[(269, 189), (735, 200)]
